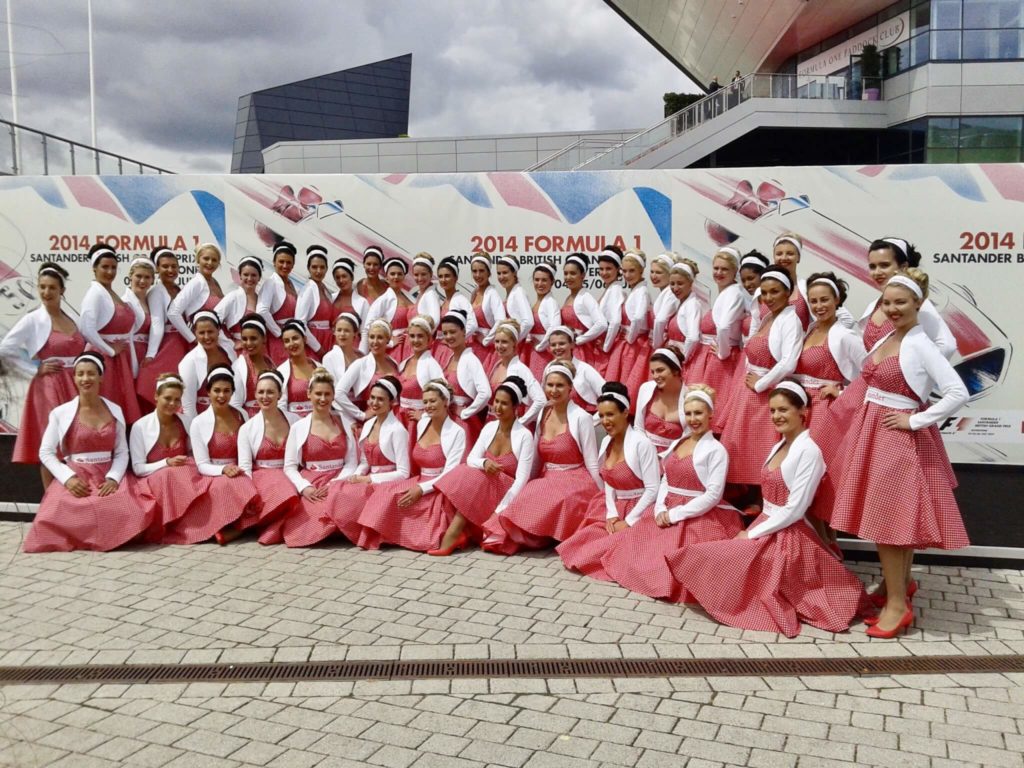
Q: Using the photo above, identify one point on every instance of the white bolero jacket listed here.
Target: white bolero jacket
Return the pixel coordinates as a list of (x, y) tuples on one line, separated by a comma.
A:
[(293, 462), (200, 433), (145, 432), (250, 435), (802, 470), (785, 342), (642, 460), (393, 440), (711, 463), (57, 427), (522, 446)]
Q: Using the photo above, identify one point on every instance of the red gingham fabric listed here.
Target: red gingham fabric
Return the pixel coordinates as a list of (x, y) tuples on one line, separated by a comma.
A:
[(44, 394), (412, 390), (587, 352), (628, 363), (473, 493), (748, 434), (536, 361), (275, 347), (172, 349), (874, 333), (796, 300), (177, 490), (704, 367), (308, 523), (324, 313), (475, 423), (348, 502), (276, 491), (826, 430), (118, 384), (655, 425)]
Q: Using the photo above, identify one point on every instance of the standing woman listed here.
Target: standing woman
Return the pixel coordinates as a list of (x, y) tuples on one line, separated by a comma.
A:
[(554, 504), (201, 292), (507, 364), (657, 406), (887, 257), (107, 324), (588, 383), (383, 458), (346, 299), (770, 356), (609, 269), (684, 327), (428, 300), (320, 453), (43, 344), (393, 306), (628, 362), (241, 301), (546, 316), (517, 305), (752, 265), (140, 280), (251, 364), (488, 310), (166, 344), (448, 284), (261, 442), (471, 391), (278, 299), (297, 370), (417, 370), (314, 306), (666, 303), (715, 359), (93, 505), (689, 508), (161, 460), (231, 494), (410, 513), (786, 254), (893, 445), (776, 574), (631, 474), (346, 345), (353, 389), (497, 469), (372, 287), (580, 310), (212, 350)]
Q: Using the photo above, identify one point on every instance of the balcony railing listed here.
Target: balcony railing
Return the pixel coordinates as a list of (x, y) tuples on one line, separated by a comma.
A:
[(568, 158), (28, 152)]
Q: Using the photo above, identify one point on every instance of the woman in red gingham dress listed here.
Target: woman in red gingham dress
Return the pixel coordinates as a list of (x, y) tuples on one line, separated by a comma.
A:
[(319, 455), (253, 362), (466, 376), (627, 359), (580, 310), (93, 504), (776, 574), (278, 298), (689, 510), (629, 468), (897, 484), (553, 505), (752, 265), (546, 315), (411, 513)]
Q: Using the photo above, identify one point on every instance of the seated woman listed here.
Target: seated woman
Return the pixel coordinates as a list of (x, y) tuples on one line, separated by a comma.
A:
[(657, 407), (506, 363), (211, 350), (261, 442), (253, 362), (231, 494), (383, 458), (161, 456), (689, 508), (416, 370), (553, 505), (776, 574), (410, 513), (319, 454), (297, 370), (629, 468), (497, 469), (92, 504)]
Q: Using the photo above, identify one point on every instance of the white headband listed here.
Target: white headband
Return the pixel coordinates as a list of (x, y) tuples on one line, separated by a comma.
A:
[(161, 252), (481, 259), (345, 264), (439, 388), (102, 253), (352, 317), (682, 266), (388, 387), (900, 243), (140, 262), (206, 314), (796, 389), (422, 322), (373, 250), (558, 368), (380, 322), (728, 249), (295, 324), (91, 357), (826, 281), (906, 282), (512, 329), (752, 261), (518, 391), (257, 323), (316, 250), (52, 271), (665, 352), (251, 261), (275, 375), (284, 247), (566, 330), (665, 259), (699, 394), (509, 261), (611, 256), (423, 262), (547, 268), (395, 260), (172, 380), (220, 371), (787, 239), (618, 397), (781, 278), (578, 261)]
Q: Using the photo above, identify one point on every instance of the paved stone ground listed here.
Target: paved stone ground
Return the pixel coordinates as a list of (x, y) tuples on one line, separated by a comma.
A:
[(247, 603)]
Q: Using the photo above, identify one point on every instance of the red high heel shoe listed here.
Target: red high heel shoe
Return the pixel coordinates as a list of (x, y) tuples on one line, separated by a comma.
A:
[(460, 543), (220, 538), (889, 634), (878, 598)]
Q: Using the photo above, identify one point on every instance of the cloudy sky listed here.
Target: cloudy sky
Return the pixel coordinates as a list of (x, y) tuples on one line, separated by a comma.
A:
[(168, 75)]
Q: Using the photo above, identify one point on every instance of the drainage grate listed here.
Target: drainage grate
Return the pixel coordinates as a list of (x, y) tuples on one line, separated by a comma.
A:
[(507, 668)]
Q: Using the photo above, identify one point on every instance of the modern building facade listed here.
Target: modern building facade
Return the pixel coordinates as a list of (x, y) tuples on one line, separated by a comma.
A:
[(365, 102)]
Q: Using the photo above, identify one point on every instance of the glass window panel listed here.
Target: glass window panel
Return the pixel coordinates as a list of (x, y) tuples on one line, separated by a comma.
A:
[(919, 49), (920, 18), (990, 132), (945, 46), (992, 44), (895, 59), (946, 14), (943, 131), (993, 14), (990, 155), (941, 156)]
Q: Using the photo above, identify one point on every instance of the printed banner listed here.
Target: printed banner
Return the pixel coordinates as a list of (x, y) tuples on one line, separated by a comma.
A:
[(965, 219)]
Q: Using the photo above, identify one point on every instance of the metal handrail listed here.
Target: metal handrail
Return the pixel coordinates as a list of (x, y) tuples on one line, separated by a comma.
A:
[(51, 157), (553, 158)]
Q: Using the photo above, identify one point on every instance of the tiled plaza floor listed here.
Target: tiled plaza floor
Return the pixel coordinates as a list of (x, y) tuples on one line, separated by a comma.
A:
[(248, 603)]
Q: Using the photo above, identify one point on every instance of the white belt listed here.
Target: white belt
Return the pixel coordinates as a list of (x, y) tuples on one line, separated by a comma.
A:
[(537, 337), (320, 325), (631, 493), (708, 339), (811, 382), (431, 471), (462, 400), (549, 467), (65, 362), (890, 399), (659, 441), (202, 400), (756, 369), (411, 403), (382, 468), (223, 462), (250, 404), (237, 336), (141, 337), (301, 407), (269, 463), (96, 457), (116, 336), (673, 491), (168, 328), (325, 466)]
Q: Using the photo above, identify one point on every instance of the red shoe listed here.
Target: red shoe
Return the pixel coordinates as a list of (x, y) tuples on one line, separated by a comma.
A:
[(889, 634), (878, 598), (460, 543), (220, 538)]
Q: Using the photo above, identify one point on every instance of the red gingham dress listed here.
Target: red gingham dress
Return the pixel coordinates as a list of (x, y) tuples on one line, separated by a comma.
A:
[(411, 390), (897, 485), (324, 314), (874, 333), (825, 428), (249, 404), (178, 490), (628, 363), (101, 523), (227, 499), (667, 431), (587, 352), (347, 504), (748, 435), (584, 550), (276, 491), (772, 583), (552, 506), (473, 493), (44, 394), (275, 347), (797, 301), (475, 424), (118, 383), (704, 367), (536, 360), (399, 330), (309, 522), (172, 349), (419, 527), (298, 395), (636, 559), (484, 354)]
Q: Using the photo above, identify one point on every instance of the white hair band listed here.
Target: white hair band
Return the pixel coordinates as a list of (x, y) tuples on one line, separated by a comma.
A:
[(796, 389), (373, 250), (618, 397), (729, 250), (388, 387), (906, 282), (683, 267), (91, 357), (509, 261), (900, 243), (481, 259), (52, 272), (275, 375), (393, 261), (206, 314), (611, 256), (251, 261), (665, 260), (826, 281), (699, 394), (218, 372), (752, 261), (544, 266), (518, 391), (666, 352), (439, 388), (172, 380), (380, 322), (579, 261), (352, 317), (423, 262), (422, 322), (565, 330), (347, 264), (558, 368), (778, 277), (101, 253), (257, 323), (787, 239), (140, 262)]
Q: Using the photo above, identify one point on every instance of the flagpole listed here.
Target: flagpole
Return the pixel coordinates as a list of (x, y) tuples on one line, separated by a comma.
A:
[(14, 90), (92, 74)]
